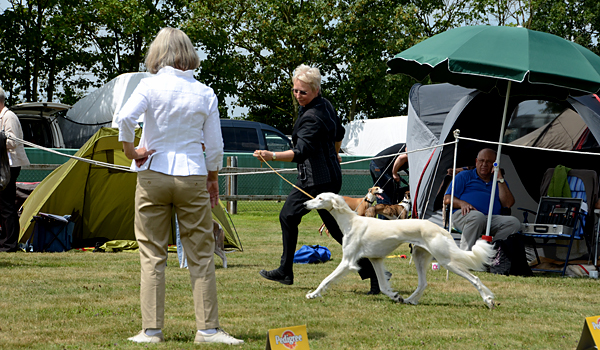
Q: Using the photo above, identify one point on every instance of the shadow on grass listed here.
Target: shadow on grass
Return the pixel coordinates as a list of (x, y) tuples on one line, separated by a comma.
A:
[(13, 264), (246, 337)]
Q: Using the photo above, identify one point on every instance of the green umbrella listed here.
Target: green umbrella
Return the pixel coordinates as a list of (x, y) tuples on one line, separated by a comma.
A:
[(510, 59), (488, 57)]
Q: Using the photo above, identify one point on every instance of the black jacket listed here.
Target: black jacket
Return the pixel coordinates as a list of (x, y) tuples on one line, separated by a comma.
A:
[(315, 133)]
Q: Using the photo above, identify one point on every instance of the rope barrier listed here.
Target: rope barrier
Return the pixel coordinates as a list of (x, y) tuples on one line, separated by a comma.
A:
[(286, 180), (529, 147), (91, 161), (126, 168)]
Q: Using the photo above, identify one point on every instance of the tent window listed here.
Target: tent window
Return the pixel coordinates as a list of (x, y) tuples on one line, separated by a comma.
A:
[(531, 115)]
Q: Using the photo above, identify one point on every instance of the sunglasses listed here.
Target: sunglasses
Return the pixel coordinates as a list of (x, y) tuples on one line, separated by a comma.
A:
[(296, 91)]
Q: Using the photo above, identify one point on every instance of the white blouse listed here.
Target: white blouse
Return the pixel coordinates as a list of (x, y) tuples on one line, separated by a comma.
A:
[(179, 114)]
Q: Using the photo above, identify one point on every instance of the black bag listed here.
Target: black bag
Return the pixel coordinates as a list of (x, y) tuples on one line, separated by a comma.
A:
[(511, 258), (4, 162)]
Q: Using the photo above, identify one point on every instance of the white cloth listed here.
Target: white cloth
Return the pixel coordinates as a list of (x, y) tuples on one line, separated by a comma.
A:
[(10, 123), (179, 114)]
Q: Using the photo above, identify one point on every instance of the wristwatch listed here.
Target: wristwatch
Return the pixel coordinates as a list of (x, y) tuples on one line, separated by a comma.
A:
[(501, 180), (274, 156)]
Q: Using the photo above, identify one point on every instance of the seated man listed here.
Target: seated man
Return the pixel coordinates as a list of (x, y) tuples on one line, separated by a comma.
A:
[(472, 194)]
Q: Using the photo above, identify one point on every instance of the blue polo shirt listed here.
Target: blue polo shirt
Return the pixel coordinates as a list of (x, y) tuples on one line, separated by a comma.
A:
[(472, 189)]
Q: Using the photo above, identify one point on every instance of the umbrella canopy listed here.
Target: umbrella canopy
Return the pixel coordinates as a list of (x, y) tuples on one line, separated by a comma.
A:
[(511, 59), (488, 57)]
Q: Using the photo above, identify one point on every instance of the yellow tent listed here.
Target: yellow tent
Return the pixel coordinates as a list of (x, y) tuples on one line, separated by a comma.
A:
[(100, 199)]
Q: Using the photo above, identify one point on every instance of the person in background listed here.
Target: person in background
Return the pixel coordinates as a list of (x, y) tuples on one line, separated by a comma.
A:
[(385, 174), (317, 137), (173, 175), (472, 193), (9, 218)]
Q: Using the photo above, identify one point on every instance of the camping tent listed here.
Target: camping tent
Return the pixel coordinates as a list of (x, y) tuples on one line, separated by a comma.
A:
[(102, 198), (371, 136), (436, 111), (97, 109)]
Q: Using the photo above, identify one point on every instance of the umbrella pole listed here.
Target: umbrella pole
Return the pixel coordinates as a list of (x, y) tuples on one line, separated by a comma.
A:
[(487, 236)]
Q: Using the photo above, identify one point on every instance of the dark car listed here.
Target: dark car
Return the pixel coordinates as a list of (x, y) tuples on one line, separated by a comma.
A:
[(248, 136)]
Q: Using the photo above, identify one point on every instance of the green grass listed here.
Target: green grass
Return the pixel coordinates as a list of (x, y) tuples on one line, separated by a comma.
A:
[(84, 300)]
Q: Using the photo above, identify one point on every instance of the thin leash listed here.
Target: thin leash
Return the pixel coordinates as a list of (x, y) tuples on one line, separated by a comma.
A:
[(286, 180)]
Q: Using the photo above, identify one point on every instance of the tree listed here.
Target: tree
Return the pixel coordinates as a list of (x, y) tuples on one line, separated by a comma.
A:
[(253, 48), (63, 47), (578, 20)]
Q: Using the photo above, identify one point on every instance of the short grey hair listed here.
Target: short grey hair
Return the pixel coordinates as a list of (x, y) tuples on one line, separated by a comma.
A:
[(309, 75), (171, 47), (2, 95)]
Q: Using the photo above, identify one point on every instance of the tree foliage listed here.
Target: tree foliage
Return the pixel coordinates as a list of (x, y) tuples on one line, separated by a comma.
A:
[(60, 49)]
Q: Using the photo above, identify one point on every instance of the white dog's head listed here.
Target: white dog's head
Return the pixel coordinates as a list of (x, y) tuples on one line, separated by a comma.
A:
[(327, 201)]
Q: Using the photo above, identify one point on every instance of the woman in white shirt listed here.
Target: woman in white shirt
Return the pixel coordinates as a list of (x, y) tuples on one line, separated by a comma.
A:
[(173, 174)]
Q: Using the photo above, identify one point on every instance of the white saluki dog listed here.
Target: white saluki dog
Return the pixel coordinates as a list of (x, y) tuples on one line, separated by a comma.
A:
[(375, 239)]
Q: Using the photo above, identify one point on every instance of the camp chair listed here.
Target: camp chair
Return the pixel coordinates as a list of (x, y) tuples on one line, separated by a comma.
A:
[(560, 221)]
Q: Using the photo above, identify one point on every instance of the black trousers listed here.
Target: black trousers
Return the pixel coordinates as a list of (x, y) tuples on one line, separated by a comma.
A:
[(9, 219), (290, 217)]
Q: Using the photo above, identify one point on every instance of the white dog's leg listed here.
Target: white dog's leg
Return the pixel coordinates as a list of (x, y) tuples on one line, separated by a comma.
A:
[(221, 254), (339, 272), (486, 294), (422, 260), (384, 285)]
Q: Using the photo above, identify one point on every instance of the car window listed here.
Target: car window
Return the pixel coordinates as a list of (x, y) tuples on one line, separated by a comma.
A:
[(240, 139), (37, 131), (276, 142)]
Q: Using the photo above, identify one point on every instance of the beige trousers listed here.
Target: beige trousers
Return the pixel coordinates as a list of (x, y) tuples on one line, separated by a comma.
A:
[(156, 196)]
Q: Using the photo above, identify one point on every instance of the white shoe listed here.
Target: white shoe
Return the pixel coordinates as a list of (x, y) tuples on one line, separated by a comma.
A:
[(141, 337), (220, 337)]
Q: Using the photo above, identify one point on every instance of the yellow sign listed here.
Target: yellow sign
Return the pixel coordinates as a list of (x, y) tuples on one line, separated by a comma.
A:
[(590, 337), (289, 338)]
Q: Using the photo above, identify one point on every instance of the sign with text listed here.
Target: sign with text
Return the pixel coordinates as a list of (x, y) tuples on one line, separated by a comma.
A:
[(289, 338), (590, 337)]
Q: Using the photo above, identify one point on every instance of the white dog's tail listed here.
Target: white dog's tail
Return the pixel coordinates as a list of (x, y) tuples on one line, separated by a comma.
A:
[(478, 259)]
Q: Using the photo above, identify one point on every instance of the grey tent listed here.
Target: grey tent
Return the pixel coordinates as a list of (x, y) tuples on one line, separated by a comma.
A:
[(436, 111)]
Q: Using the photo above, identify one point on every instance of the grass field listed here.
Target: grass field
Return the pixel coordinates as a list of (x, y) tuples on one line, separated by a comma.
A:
[(85, 300)]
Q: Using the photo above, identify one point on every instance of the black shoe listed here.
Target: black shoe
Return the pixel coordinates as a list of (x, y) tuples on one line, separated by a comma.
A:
[(275, 275), (374, 291), (374, 287)]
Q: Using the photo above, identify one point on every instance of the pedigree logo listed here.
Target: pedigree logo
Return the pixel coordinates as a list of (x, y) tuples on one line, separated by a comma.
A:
[(288, 338), (596, 325)]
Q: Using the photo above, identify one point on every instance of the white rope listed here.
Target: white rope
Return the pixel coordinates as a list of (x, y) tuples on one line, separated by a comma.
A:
[(344, 163), (91, 161), (529, 147), (125, 168)]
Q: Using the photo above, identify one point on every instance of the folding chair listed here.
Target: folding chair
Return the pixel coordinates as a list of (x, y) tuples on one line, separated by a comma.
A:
[(51, 233), (561, 221)]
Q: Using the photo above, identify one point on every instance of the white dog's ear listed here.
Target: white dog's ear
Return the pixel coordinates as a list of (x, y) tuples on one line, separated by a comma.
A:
[(338, 202)]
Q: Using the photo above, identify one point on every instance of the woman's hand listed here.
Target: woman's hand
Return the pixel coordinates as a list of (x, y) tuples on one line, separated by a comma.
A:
[(212, 185), (213, 191), (263, 155), (140, 155)]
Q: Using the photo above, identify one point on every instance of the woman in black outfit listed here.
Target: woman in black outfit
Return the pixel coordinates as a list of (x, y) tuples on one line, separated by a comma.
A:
[(317, 137)]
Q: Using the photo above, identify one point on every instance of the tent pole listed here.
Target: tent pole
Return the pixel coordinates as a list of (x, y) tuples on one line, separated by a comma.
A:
[(456, 133), (497, 164)]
